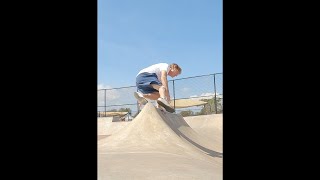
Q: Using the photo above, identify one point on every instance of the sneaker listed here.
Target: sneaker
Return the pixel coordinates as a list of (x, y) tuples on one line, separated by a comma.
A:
[(140, 98), (162, 102)]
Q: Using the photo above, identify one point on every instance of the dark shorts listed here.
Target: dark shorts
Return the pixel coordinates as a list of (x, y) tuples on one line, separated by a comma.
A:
[(144, 80)]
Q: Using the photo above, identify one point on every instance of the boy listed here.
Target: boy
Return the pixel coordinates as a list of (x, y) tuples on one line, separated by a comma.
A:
[(152, 83)]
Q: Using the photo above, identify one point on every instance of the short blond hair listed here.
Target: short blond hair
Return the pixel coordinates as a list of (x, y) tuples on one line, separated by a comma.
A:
[(174, 66)]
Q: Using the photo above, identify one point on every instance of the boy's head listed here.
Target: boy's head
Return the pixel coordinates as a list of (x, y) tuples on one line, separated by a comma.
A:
[(175, 70)]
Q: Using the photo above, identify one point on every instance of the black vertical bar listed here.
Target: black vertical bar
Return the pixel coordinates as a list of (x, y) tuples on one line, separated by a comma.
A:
[(174, 96), (215, 93)]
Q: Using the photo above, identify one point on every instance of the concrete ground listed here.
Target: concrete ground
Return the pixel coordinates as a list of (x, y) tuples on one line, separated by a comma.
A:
[(160, 145)]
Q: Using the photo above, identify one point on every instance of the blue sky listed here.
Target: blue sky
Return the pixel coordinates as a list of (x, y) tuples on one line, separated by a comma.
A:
[(133, 34)]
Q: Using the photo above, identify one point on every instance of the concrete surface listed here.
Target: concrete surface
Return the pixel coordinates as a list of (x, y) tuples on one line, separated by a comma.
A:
[(161, 145), (209, 126), (107, 127)]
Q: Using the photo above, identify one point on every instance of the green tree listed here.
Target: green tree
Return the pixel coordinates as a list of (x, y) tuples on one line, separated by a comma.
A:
[(209, 108), (125, 110), (186, 113)]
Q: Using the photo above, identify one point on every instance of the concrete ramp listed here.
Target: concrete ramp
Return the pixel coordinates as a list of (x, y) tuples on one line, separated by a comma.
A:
[(177, 123), (107, 127), (158, 145), (209, 126)]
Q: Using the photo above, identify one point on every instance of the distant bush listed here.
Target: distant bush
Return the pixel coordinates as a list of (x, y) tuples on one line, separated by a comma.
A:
[(186, 113)]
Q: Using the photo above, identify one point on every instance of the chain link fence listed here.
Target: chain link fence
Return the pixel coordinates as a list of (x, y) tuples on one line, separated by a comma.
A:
[(205, 87)]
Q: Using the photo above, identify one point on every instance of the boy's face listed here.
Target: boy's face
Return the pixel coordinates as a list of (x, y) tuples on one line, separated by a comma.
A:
[(174, 73)]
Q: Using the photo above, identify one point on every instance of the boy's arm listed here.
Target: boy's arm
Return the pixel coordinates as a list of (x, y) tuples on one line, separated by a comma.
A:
[(164, 82)]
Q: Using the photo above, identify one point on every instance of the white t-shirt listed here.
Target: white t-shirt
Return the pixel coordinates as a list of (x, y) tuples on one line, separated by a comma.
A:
[(156, 68)]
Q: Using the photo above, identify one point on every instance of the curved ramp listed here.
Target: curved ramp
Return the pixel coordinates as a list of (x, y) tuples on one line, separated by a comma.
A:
[(209, 126), (107, 127)]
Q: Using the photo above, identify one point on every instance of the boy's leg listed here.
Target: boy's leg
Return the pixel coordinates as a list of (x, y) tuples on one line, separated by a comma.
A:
[(152, 96), (162, 101), (161, 90)]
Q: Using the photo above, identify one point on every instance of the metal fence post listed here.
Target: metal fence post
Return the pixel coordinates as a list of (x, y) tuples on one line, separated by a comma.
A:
[(215, 93), (138, 106), (105, 101), (174, 96)]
